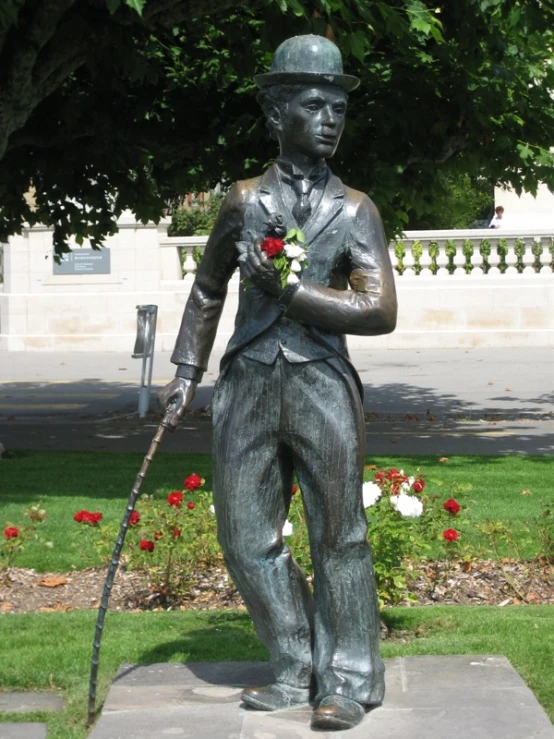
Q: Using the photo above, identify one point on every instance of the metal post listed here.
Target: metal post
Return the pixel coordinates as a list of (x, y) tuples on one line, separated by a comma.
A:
[(147, 316)]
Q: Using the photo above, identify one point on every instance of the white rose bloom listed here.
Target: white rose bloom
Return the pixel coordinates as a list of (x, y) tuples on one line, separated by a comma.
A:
[(287, 528), (405, 487), (293, 251), (292, 279), (371, 493), (407, 505), (295, 266), (212, 509)]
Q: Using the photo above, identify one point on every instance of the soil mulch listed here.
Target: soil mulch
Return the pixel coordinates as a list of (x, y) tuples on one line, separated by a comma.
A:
[(479, 582)]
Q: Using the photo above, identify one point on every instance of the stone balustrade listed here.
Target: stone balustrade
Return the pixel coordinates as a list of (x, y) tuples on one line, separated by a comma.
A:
[(461, 253), (475, 288)]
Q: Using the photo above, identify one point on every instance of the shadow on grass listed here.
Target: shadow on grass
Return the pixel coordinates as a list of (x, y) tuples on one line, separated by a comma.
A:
[(228, 637)]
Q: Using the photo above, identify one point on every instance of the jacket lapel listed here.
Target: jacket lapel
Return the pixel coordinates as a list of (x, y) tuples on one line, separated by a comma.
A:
[(330, 205), (271, 197)]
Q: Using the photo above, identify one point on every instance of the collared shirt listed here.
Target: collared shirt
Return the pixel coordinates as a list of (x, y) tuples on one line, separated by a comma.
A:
[(288, 172)]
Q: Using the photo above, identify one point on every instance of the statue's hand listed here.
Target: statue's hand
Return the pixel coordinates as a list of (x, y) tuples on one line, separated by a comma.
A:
[(259, 269), (175, 397)]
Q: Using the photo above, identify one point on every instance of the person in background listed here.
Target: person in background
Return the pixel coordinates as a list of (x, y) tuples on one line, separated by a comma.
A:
[(496, 221)]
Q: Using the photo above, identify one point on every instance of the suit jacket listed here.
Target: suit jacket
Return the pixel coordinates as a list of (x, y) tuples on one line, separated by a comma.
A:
[(346, 248)]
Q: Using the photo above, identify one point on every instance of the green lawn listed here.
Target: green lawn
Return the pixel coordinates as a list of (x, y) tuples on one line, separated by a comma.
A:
[(52, 651), (101, 481)]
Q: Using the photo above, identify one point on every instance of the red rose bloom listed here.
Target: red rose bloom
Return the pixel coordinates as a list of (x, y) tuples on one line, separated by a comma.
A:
[(176, 533), (452, 506), (146, 545), (175, 499), (392, 474), (272, 246), (450, 534), (418, 485), (157, 535), (191, 506), (134, 518), (395, 489), (12, 532), (380, 476), (93, 519), (193, 482), (294, 489)]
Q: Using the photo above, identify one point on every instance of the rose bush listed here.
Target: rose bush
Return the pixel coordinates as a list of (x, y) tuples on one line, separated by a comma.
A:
[(14, 538), (173, 536)]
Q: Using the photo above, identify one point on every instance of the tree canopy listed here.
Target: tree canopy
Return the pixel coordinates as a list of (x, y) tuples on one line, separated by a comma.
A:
[(114, 104)]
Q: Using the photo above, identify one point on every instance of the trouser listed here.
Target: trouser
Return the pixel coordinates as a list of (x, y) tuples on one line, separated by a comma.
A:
[(271, 420)]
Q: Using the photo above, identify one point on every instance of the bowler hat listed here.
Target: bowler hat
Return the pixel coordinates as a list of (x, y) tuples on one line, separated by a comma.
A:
[(307, 59)]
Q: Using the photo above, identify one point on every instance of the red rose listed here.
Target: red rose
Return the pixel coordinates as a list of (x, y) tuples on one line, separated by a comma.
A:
[(87, 517), (134, 518), (452, 506), (450, 534), (272, 246), (191, 506), (393, 474), (380, 477), (176, 533), (157, 535), (418, 485), (175, 499), (146, 545), (395, 489), (193, 482), (12, 532), (294, 489)]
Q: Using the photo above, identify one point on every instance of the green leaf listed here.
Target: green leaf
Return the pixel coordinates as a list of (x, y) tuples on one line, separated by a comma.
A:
[(137, 5), (113, 5)]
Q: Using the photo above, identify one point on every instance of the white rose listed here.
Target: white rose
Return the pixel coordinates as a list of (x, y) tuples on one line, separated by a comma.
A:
[(371, 493), (293, 251), (292, 279), (287, 528), (212, 509), (407, 505), (295, 266)]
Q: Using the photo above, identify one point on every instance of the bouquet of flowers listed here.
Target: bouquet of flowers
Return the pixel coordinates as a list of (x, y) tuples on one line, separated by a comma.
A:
[(287, 249)]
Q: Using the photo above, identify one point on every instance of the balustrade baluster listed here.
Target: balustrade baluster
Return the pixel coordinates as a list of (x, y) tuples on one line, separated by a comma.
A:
[(189, 265), (442, 259), (459, 259), (476, 260), (546, 260), (511, 259), (494, 260), (409, 262), (425, 260), (528, 258)]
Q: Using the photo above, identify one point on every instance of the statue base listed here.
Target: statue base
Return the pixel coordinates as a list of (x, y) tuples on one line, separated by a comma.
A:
[(465, 697)]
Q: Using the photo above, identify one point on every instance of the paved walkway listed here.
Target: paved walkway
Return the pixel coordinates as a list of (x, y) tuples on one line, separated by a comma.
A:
[(459, 697), (490, 401)]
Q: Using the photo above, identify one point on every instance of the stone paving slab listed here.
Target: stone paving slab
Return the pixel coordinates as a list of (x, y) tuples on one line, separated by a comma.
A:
[(22, 731), (459, 697), (25, 702)]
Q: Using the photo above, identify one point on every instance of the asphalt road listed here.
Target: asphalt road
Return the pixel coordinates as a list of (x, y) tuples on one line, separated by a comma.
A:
[(443, 402)]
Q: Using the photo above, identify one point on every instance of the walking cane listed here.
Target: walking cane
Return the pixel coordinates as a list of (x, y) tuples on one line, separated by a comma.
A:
[(114, 562)]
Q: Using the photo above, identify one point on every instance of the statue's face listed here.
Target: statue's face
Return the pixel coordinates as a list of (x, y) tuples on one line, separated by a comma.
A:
[(313, 122)]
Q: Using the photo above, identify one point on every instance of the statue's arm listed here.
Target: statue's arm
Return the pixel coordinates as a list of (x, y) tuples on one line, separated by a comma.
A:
[(370, 307), (205, 303)]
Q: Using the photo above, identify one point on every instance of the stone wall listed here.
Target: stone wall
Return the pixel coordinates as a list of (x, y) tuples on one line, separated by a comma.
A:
[(42, 311)]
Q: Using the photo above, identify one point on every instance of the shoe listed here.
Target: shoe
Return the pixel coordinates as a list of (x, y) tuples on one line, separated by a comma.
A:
[(337, 713), (275, 697)]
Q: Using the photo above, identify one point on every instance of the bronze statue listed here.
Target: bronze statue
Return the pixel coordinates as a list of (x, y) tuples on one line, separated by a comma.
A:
[(288, 399)]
